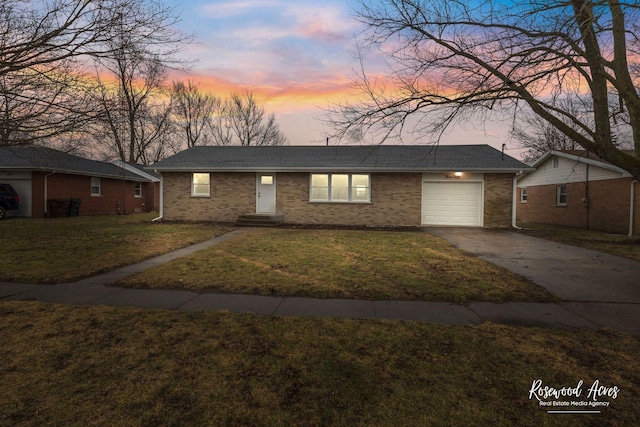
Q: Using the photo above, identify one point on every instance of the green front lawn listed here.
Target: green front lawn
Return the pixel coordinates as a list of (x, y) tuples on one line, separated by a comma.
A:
[(67, 249), (64, 365), (342, 264)]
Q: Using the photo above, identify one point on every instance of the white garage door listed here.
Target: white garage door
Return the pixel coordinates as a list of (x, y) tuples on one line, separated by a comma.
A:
[(21, 182), (452, 203)]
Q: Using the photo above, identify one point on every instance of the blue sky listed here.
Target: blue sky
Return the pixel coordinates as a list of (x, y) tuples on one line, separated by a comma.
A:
[(296, 56)]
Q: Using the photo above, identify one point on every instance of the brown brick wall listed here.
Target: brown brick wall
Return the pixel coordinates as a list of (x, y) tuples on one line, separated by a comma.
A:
[(609, 202), (231, 195), (395, 201), (498, 196), (117, 196)]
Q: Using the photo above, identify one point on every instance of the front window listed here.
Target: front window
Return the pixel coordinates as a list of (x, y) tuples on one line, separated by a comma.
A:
[(96, 189), (340, 187), (561, 195), (137, 189), (201, 185)]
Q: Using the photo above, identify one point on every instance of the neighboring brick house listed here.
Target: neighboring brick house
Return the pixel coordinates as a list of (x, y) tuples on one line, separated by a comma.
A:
[(580, 190), (469, 185), (41, 174)]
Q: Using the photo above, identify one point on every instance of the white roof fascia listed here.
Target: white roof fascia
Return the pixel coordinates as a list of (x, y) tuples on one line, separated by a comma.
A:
[(345, 169), (581, 159), (137, 171)]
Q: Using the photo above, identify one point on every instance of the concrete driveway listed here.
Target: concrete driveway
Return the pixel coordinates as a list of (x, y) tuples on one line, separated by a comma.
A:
[(600, 288), (568, 272)]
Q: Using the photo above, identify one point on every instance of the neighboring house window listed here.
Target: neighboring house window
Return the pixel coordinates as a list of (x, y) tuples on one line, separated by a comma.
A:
[(523, 195), (96, 189), (340, 187), (137, 189), (561, 195), (555, 162), (201, 185)]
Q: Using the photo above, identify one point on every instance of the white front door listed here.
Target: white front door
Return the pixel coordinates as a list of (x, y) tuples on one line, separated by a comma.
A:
[(266, 193)]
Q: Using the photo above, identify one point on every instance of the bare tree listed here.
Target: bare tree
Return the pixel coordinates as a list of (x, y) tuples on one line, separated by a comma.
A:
[(539, 136), (36, 34), (143, 45), (36, 108), (243, 122), (453, 59), (193, 112), (43, 94)]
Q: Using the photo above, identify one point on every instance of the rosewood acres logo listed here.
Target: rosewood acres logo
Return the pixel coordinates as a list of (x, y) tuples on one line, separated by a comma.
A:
[(568, 400)]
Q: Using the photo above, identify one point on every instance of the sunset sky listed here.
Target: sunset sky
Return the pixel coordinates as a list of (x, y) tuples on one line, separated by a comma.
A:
[(298, 57)]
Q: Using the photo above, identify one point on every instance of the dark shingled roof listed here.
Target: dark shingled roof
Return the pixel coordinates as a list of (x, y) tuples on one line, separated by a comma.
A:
[(380, 158), (48, 159)]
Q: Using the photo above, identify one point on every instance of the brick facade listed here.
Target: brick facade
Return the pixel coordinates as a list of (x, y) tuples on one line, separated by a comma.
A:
[(608, 210), (498, 196), (117, 196), (232, 195), (396, 200)]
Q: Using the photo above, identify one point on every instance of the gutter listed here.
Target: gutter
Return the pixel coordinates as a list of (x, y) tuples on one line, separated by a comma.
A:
[(329, 169), (161, 201), (632, 206), (514, 199), (46, 192)]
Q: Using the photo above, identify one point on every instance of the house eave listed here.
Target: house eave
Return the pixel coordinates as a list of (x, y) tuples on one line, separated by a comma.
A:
[(341, 169), (581, 159), (139, 178)]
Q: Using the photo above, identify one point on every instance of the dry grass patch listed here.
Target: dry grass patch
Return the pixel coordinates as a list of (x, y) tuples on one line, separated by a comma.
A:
[(67, 249), (342, 264), (614, 244), (65, 365)]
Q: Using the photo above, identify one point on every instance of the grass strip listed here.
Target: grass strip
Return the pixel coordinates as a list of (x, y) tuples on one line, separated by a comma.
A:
[(65, 365), (67, 249), (374, 265)]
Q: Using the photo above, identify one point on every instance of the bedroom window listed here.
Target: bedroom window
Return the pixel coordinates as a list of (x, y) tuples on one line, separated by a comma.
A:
[(523, 195), (96, 188), (561, 195), (201, 185), (137, 190), (340, 187)]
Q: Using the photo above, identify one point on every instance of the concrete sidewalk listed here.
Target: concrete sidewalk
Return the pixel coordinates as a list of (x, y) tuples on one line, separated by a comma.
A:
[(576, 315)]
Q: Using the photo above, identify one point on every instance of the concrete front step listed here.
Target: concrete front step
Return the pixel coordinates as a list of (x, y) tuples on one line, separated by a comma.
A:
[(260, 220)]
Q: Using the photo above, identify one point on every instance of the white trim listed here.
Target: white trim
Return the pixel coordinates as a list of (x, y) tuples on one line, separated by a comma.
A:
[(475, 180), (128, 167), (632, 206), (259, 183), (193, 193), (558, 194), (514, 204), (161, 213), (581, 159), (350, 188), (99, 193)]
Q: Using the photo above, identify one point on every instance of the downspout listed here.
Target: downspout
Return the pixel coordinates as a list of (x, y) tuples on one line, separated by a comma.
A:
[(161, 198), (585, 201), (46, 192), (514, 201), (632, 206)]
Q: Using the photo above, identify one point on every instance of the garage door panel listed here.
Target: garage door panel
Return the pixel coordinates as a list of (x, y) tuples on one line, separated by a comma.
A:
[(452, 203), (23, 188)]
